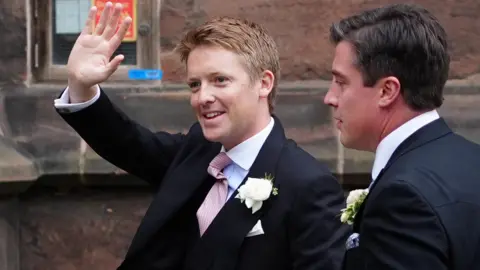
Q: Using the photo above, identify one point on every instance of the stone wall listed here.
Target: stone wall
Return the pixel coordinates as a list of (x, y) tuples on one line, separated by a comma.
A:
[(300, 27), (13, 44), (63, 207)]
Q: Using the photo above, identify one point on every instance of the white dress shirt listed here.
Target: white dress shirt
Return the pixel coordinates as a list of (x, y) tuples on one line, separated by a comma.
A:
[(64, 105), (388, 145), (242, 155)]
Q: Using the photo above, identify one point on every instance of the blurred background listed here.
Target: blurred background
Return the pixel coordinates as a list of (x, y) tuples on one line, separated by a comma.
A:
[(64, 207)]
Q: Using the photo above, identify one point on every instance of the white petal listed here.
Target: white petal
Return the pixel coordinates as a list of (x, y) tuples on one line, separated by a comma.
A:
[(249, 202), (344, 217), (241, 193), (354, 195), (256, 206)]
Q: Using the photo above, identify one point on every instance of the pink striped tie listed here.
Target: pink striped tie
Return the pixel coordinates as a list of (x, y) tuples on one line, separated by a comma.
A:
[(217, 195)]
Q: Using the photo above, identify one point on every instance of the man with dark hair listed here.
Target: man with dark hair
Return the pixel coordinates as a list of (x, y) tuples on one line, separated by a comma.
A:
[(421, 209)]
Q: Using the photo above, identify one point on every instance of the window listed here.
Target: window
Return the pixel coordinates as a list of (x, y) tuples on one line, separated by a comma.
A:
[(56, 24)]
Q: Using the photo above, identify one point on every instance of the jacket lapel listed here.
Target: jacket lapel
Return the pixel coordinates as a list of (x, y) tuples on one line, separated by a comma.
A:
[(424, 135), (359, 215), (223, 238), (177, 188)]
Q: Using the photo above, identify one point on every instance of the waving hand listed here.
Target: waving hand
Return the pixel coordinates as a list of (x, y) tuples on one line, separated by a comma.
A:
[(90, 61)]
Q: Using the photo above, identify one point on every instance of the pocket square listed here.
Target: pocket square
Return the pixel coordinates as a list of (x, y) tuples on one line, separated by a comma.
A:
[(256, 230), (353, 241)]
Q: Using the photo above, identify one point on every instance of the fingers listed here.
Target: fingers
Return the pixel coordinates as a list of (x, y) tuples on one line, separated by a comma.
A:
[(90, 20), (122, 31), (102, 23), (112, 23), (115, 63)]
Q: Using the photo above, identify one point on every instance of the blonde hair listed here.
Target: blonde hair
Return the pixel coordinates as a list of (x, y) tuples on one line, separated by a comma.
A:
[(248, 39)]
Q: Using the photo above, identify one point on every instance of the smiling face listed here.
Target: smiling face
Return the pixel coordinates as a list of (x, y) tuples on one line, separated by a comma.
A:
[(355, 106), (229, 104)]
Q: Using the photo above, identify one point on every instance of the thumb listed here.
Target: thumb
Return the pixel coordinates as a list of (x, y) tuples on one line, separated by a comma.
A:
[(115, 63)]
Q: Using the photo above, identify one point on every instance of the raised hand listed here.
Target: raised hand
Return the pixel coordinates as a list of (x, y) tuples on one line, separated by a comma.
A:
[(89, 61)]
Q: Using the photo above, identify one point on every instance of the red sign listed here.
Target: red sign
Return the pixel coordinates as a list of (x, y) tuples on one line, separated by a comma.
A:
[(129, 9)]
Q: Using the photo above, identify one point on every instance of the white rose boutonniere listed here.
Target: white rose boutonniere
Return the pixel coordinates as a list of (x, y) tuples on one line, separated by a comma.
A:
[(255, 191), (354, 201)]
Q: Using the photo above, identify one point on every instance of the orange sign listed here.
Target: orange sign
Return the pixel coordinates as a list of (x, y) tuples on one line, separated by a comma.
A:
[(129, 9)]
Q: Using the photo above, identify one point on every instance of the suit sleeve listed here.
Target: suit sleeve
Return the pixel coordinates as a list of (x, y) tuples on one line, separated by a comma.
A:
[(400, 231), (123, 142), (317, 236)]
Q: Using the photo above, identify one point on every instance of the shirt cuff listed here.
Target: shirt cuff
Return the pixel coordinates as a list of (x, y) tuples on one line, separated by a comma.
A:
[(63, 103)]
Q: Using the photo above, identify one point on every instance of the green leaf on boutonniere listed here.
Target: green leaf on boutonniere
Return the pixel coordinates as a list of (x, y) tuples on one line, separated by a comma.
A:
[(270, 178), (354, 201)]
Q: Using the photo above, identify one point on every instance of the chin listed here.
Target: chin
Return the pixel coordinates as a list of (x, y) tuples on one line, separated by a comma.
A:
[(212, 135), (349, 143), (346, 142)]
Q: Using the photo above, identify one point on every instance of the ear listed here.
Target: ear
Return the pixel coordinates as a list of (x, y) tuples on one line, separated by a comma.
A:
[(390, 91), (266, 83)]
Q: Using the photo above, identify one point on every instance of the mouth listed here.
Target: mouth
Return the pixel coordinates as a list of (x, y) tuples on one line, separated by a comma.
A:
[(338, 123), (212, 115)]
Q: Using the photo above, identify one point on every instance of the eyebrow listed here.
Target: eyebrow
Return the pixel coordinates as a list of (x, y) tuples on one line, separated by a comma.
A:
[(337, 73), (192, 79), (215, 73)]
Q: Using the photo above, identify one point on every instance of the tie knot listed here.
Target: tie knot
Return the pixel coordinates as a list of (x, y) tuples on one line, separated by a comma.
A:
[(218, 164), (221, 161)]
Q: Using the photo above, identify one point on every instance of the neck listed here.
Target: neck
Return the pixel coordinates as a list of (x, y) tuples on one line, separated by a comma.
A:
[(394, 120), (259, 124)]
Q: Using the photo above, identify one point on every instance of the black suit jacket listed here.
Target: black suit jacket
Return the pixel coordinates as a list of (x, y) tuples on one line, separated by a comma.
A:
[(301, 224), (423, 211)]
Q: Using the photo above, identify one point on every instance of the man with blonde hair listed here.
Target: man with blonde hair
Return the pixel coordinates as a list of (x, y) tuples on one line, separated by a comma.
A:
[(232, 193)]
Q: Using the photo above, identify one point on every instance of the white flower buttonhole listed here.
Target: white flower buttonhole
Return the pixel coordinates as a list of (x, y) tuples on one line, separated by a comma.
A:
[(255, 191)]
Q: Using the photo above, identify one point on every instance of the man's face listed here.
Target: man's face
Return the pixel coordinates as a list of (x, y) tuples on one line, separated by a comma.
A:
[(225, 99), (354, 106)]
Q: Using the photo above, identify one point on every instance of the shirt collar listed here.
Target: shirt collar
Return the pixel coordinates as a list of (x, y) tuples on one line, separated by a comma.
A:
[(245, 153), (388, 145)]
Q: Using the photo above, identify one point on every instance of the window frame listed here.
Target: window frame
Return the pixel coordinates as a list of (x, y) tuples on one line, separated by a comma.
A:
[(42, 67)]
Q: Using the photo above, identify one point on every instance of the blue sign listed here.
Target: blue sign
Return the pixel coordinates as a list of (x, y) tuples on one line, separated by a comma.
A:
[(145, 74)]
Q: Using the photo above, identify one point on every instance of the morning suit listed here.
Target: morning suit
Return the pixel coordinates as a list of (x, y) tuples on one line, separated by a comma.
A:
[(423, 209), (301, 226)]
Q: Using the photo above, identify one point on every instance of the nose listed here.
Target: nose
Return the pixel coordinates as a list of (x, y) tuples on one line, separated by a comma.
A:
[(330, 98), (205, 96)]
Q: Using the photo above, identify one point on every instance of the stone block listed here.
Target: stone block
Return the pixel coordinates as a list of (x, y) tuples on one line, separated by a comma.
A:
[(13, 58), (9, 235), (81, 230), (357, 162), (15, 166), (37, 129), (461, 112)]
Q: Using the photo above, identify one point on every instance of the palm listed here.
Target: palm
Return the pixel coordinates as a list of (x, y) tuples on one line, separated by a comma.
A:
[(89, 61), (90, 56)]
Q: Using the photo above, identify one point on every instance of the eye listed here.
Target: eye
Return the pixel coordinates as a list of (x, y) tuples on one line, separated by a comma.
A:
[(221, 79), (194, 85), (340, 83)]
